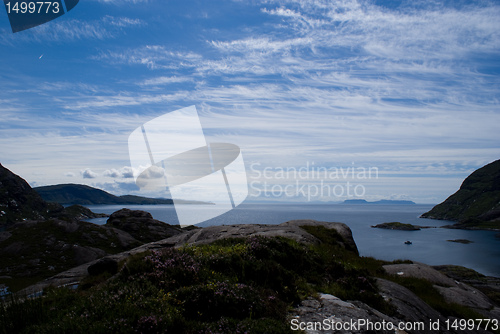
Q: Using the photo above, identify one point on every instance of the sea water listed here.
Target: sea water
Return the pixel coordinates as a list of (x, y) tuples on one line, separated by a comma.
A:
[(429, 245)]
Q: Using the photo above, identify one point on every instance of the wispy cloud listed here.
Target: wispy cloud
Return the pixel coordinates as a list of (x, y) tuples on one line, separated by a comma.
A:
[(93, 102), (73, 30), (152, 56), (395, 55), (411, 89), (164, 80)]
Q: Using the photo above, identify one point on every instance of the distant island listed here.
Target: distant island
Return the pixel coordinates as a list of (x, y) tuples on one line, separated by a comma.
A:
[(461, 241), (400, 226), (69, 194), (476, 205), (380, 202)]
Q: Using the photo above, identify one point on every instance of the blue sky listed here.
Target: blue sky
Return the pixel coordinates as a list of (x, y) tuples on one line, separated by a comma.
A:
[(408, 87)]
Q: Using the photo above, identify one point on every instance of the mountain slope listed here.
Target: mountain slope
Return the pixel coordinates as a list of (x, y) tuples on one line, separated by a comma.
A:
[(86, 195), (476, 203), (39, 239), (19, 202)]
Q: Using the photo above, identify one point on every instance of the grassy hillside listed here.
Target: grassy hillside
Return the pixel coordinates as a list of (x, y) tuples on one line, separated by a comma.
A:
[(476, 203)]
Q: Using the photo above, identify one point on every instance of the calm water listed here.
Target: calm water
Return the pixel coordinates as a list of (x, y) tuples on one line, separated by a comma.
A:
[(429, 245)]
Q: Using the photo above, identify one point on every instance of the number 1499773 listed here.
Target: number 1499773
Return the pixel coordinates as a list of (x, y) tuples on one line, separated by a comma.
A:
[(32, 7)]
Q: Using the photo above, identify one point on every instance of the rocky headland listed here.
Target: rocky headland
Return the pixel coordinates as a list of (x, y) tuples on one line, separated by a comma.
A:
[(476, 205)]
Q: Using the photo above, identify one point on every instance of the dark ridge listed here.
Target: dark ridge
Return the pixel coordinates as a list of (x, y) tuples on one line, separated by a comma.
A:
[(476, 204), (67, 194)]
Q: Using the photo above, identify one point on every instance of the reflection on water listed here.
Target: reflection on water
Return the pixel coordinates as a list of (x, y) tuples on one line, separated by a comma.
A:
[(428, 245)]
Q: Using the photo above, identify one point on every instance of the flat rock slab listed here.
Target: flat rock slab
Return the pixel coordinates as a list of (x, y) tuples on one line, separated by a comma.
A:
[(324, 313), (420, 270), (408, 305), (412, 309), (452, 291)]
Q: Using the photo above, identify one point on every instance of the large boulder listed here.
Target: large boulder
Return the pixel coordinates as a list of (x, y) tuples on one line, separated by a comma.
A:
[(291, 229), (342, 229), (141, 225)]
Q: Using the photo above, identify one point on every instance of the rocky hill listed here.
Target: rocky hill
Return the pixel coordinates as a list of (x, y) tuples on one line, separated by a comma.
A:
[(255, 279), (86, 195), (39, 239), (19, 202), (33, 250), (141, 225), (476, 204)]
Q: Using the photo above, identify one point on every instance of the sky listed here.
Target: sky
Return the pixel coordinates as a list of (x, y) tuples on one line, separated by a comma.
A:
[(408, 90)]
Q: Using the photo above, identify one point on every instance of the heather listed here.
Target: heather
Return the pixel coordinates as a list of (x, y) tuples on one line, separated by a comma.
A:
[(235, 285), (229, 286)]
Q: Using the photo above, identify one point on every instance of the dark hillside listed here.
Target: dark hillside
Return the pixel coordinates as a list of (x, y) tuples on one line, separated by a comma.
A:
[(477, 203), (18, 201), (86, 195)]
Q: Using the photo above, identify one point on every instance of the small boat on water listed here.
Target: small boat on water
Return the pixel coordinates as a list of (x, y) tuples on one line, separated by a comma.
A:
[(407, 242)]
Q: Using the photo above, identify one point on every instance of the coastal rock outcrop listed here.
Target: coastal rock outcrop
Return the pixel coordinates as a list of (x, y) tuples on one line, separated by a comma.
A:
[(476, 204), (141, 225), (290, 229), (325, 312), (207, 235), (408, 306), (452, 290), (419, 270), (342, 229)]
